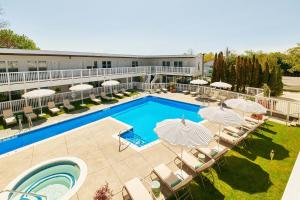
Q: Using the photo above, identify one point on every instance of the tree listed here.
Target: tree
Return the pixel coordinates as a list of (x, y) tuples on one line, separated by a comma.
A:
[(238, 73), (9, 39), (293, 58), (215, 70), (266, 73), (208, 57)]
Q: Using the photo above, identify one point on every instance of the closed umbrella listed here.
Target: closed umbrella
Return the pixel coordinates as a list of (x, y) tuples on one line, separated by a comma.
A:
[(110, 84), (81, 88), (39, 93), (221, 116), (221, 84), (246, 106), (199, 82), (184, 133)]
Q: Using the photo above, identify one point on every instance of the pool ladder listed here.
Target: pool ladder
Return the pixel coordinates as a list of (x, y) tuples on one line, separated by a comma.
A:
[(37, 196)]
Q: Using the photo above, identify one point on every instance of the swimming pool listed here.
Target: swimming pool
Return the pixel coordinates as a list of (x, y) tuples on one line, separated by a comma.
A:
[(141, 113), (144, 117)]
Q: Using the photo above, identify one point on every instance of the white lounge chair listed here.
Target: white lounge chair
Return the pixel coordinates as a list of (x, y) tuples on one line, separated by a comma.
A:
[(117, 94), (186, 92), (164, 90), (105, 97), (68, 105), (136, 190), (29, 114), (8, 117), (125, 92), (52, 108), (174, 182), (214, 152), (94, 99)]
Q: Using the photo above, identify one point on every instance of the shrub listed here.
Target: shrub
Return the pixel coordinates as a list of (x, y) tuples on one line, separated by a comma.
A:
[(103, 193)]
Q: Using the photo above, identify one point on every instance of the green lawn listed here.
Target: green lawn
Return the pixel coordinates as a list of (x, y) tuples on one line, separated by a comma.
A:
[(249, 173)]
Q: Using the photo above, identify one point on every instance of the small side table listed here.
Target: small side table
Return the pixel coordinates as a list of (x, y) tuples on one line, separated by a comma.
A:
[(155, 187), (201, 156)]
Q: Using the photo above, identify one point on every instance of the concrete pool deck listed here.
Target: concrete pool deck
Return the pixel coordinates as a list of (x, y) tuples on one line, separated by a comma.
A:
[(95, 145)]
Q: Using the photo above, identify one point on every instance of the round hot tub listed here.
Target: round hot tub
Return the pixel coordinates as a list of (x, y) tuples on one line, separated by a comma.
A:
[(54, 179)]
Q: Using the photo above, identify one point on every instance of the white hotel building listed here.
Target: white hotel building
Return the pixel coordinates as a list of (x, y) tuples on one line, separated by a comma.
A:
[(23, 70)]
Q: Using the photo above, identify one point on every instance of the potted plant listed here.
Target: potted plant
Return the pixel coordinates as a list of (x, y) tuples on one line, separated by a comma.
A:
[(172, 87), (103, 193)]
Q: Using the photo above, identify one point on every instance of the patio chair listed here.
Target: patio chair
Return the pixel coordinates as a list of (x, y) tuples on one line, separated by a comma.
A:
[(136, 190), (117, 94), (125, 92), (105, 97), (186, 92), (8, 117), (67, 105), (52, 108), (216, 152), (174, 183), (94, 99), (214, 96), (164, 90), (239, 131), (231, 138), (197, 166), (29, 114), (195, 93)]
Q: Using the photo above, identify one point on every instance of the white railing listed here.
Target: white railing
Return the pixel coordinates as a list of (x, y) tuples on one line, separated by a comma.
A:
[(18, 105), (274, 105), (53, 75), (254, 91)]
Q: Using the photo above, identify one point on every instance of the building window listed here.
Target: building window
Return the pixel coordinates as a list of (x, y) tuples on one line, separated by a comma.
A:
[(166, 63), (106, 64), (95, 64), (12, 66), (177, 63), (135, 64), (42, 66), (2, 66)]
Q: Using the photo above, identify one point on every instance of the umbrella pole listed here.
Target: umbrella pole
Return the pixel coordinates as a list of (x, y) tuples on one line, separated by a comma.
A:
[(82, 98), (219, 137), (40, 102), (181, 161)]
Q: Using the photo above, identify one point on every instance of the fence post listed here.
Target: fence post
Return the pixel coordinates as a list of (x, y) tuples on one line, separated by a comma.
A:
[(288, 113)]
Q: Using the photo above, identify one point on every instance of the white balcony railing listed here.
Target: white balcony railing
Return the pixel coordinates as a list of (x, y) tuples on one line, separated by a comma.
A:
[(53, 75)]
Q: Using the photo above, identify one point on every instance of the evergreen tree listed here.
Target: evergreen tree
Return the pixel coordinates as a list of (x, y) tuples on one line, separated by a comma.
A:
[(238, 73), (266, 73), (272, 83), (221, 67), (214, 72)]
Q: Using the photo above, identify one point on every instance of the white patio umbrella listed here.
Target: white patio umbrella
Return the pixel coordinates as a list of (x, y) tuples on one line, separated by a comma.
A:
[(184, 133), (221, 116), (39, 93), (198, 82), (81, 88), (221, 84), (246, 106), (110, 84)]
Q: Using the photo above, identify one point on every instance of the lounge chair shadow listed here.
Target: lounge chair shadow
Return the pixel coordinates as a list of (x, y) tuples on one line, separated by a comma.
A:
[(262, 148), (25, 124), (262, 128), (81, 110), (244, 175), (198, 192), (260, 135)]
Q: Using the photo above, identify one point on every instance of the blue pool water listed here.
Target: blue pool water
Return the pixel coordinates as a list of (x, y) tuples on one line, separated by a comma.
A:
[(142, 114), (145, 116)]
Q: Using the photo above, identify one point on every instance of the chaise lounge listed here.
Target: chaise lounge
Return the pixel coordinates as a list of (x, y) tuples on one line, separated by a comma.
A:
[(94, 99), (29, 114), (136, 190), (8, 117), (67, 105), (52, 108)]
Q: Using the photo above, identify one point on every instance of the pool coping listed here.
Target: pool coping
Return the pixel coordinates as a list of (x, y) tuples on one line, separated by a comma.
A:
[(138, 149), (82, 176)]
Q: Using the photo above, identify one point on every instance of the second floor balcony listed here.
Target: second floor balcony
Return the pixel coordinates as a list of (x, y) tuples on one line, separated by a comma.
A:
[(34, 79)]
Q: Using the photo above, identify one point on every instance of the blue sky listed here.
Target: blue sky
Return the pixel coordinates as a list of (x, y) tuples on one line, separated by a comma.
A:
[(156, 26)]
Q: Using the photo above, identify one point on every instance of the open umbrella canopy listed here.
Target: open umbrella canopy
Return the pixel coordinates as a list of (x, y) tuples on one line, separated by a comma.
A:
[(110, 83), (221, 84), (199, 82), (221, 116), (38, 93), (81, 87), (246, 106), (184, 133)]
